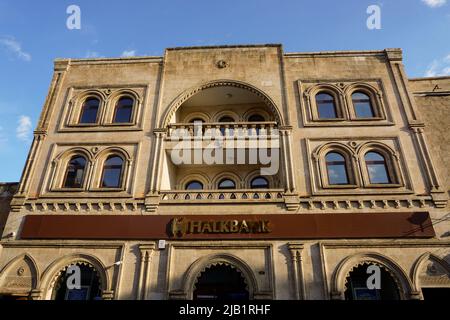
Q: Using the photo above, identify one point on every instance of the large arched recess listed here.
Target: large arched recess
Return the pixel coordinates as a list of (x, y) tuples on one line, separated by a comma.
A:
[(189, 93)]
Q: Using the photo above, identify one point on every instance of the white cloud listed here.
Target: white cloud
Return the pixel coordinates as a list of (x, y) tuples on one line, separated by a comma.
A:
[(23, 130), (15, 48), (439, 67), (434, 3), (128, 53), (92, 54)]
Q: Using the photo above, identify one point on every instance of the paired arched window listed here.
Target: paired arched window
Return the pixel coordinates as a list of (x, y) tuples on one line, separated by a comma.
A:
[(377, 168), (226, 184), (112, 172), (124, 110), (194, 185), (377, 164), (362, 105), (89, 110), (336, 169), (326, 106), (259, 183), (75, 171)]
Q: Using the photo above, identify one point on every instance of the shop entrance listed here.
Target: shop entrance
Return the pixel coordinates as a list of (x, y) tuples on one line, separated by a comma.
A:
[(221, 282)]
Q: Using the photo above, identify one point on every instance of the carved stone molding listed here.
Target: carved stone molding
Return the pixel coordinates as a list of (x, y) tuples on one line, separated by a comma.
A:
[(146, 252), (295, 250)]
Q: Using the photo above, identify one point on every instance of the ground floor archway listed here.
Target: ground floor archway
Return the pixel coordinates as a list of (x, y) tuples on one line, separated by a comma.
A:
[(357, 289), (221, 282), (89, 289)]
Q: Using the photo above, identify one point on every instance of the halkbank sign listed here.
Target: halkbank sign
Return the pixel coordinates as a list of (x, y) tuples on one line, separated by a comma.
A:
[(183, 226)]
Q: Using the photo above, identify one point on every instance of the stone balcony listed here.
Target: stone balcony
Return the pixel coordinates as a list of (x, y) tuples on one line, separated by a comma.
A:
[(234, 196), (224, 130)]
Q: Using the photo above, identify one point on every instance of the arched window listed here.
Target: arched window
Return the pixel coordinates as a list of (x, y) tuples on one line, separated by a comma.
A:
[(75, 172), (336, 169), (256, 118), (226, 119), (363, 105), (326, 106), (124, 110), (112, 172), (197, 120), (259, 183), (377, 168), (89, 110), (226, 184), (194, 185)]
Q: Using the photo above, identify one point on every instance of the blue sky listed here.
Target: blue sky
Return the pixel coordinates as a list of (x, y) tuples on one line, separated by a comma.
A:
[(33, 33)]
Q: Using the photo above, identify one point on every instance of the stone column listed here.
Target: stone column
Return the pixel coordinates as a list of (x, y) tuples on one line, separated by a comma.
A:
[(152, 198), (146, 251), (295, 250)]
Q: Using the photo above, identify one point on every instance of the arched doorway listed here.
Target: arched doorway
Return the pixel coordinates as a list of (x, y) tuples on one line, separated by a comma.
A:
[(221, 282), (356, 285), (90, 288)]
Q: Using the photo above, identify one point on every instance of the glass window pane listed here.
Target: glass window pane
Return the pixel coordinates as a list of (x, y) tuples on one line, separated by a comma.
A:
[(259, 183), (89, 110), (226, 119), (256, 118), (112, 172), (376, 168), (124, 110), (362, 105), (336, 169), (75, 172), (326, 106), (227, 184), (197, 120), (194, 185)]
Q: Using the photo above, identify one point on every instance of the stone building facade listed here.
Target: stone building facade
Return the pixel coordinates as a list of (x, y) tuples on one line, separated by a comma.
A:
[(357, 176)]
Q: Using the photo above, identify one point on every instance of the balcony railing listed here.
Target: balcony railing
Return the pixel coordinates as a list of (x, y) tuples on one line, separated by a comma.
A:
[(228, 130), (205, 196)]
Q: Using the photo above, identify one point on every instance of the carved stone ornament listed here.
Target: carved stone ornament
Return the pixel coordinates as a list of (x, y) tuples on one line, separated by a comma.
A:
[(20, 271), (222, 64)]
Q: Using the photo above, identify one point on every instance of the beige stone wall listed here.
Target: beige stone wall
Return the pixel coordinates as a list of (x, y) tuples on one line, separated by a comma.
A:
[(433, 100)]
